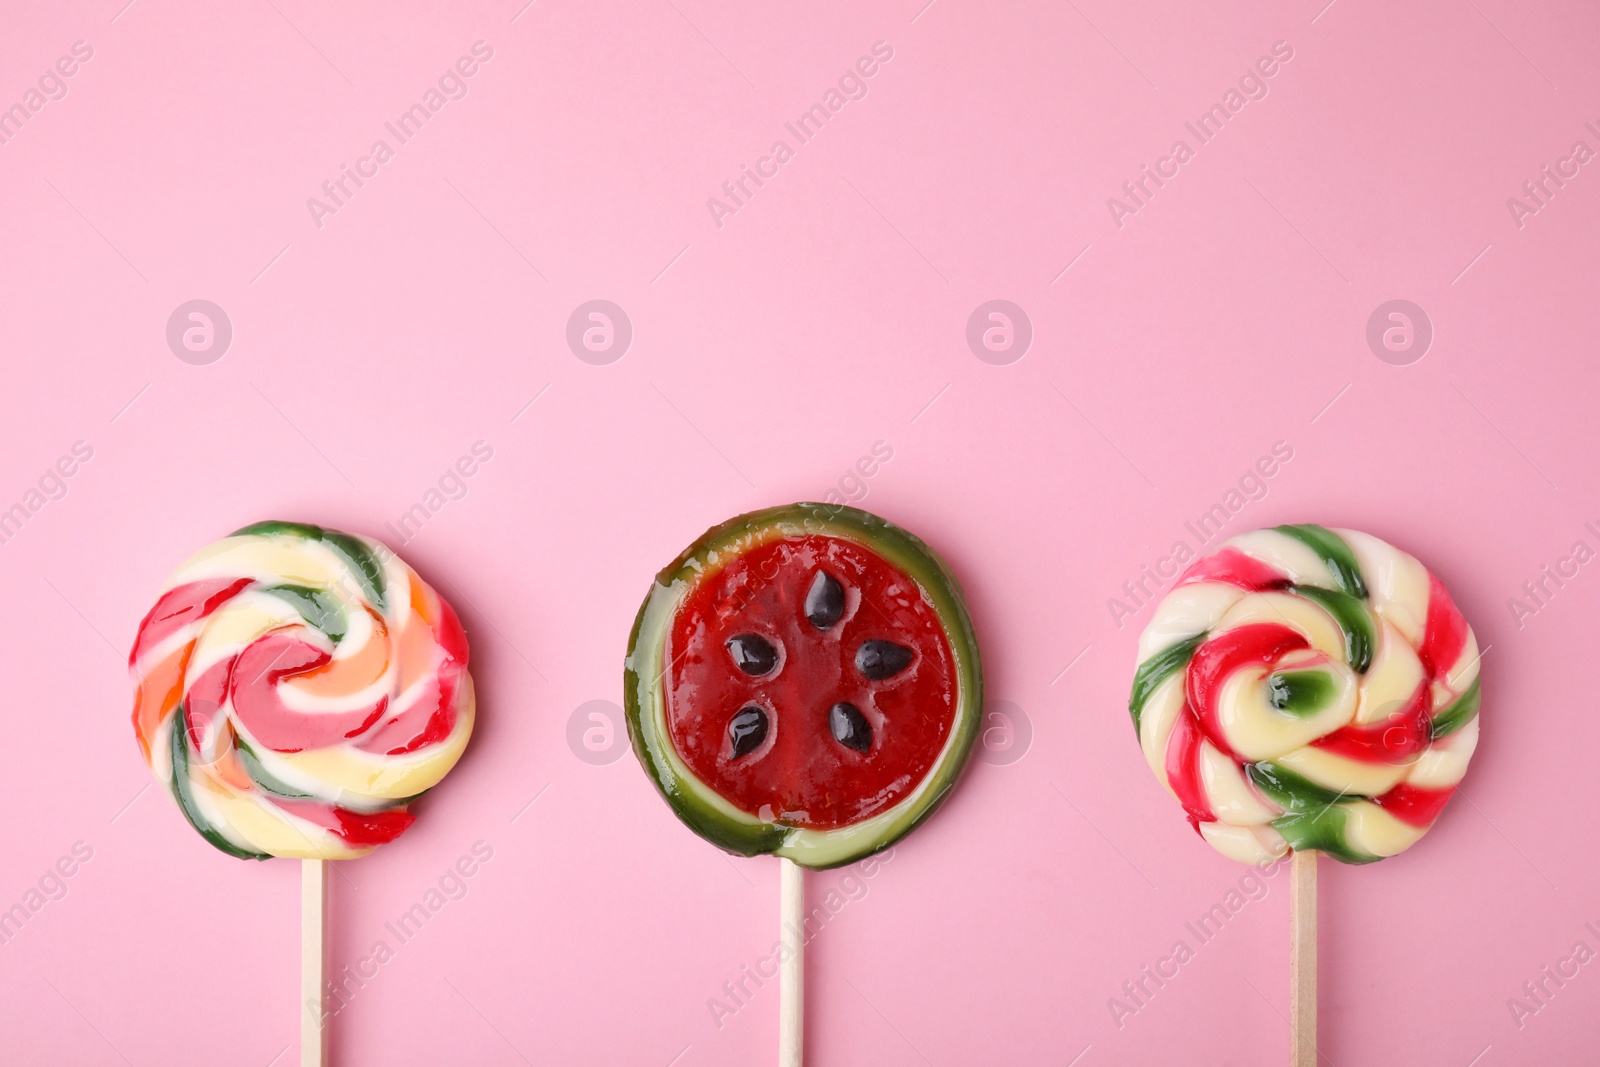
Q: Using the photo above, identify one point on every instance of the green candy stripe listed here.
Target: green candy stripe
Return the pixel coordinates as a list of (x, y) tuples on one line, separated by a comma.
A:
[(1460, 711), (268, 781), (363, 565), (1334, 552), (1314, 815), (316, 606), (186, 802), (1360, 635), (1300, 693), (1155, 670), (1290, 791), (367, 569), (1323, 830), (271, 783), (273, 527)]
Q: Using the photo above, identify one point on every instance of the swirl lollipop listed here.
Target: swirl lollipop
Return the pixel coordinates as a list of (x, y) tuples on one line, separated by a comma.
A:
[(1308, 690), (295, 689), (803, 681)]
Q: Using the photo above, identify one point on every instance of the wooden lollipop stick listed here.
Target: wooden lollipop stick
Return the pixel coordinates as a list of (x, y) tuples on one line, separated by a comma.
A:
[(792, 971), (313, 961), (1303, 959)]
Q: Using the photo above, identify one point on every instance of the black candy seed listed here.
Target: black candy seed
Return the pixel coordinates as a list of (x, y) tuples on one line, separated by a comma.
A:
[(850, 727), (747, 730), (824, 601), (878, 660), (753, 654)]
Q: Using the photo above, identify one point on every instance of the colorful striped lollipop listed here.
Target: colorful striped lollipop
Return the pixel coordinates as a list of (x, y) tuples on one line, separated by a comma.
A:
[(295, 689), (1308, 690)]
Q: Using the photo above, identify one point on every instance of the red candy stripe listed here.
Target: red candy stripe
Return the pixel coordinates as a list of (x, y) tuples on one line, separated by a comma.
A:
[(1233, 567), (181, 606), (1183, 769), (1446, 633), (1399, 737), (359, 829), (254, 686), (425, 721), (1216, 660), (1414, 805)]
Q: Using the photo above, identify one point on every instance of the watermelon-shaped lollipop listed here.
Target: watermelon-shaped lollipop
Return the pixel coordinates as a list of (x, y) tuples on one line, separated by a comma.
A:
[(1308, 690), (803, 681), (295, 689)]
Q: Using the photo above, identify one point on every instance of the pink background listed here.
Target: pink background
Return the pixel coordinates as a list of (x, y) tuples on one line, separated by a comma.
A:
[(828, 314)]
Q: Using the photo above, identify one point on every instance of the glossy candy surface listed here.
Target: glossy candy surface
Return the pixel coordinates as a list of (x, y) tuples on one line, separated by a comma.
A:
[(843, 743), (295, 687), (1301, 687), (804, 681)]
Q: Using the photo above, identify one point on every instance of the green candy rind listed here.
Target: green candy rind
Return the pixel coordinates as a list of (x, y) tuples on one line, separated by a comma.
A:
[(315, 606), (1462, 710), (699, 806), (366, 568), (186, 803), (1334, 552), (1360, 635), (1153, 671)]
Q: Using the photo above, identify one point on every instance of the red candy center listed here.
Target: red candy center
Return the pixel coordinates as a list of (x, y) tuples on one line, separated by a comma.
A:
[(843, 702)]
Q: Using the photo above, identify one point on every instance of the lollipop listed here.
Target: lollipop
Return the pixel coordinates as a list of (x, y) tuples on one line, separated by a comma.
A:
[(295, 689), (803, 681), (1308, 690)]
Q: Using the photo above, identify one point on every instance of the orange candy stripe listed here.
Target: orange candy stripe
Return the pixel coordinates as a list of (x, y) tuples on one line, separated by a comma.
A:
[(159, 693), (342, 677)]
